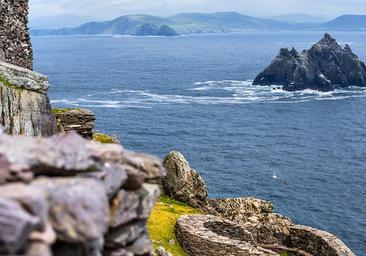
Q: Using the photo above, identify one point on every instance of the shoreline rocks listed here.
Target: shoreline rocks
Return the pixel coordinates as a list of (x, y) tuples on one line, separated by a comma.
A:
[(325, 66), (238, 226)]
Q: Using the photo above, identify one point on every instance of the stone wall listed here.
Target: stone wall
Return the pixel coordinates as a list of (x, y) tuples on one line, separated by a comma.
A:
[(15, 45), (68, 196)]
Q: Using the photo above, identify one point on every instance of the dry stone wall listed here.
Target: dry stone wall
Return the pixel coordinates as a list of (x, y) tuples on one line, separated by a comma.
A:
[(15, 44), (68, 196)]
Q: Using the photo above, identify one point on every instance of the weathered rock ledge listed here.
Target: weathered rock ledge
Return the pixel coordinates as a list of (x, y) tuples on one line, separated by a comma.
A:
[(325, 66), (238, 226), (25, 107), (65, 195)]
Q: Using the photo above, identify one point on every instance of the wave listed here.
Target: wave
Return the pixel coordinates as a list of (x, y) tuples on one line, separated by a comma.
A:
[(209, 93)]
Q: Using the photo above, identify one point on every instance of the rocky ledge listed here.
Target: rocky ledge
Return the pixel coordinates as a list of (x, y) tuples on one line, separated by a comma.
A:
[(238, 226), (325, 66), (65, 195), (25, 107)]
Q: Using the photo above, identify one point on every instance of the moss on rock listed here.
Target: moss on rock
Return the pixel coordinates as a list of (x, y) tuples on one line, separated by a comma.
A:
[(104, 138), (162, 222)]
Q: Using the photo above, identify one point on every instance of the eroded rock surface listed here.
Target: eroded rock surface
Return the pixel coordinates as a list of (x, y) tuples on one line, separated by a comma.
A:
[(65, 195), (25, 107), (323, 67), (77, 120), (181, 182)]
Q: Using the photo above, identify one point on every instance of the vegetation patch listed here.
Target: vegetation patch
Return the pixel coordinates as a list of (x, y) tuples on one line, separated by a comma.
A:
[(57, 111), (104, 138), (162, 221), (6, 83)]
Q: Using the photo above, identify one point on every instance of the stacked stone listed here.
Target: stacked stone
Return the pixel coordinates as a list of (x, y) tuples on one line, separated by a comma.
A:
[(15, 44), (65, 195), (78, 120)]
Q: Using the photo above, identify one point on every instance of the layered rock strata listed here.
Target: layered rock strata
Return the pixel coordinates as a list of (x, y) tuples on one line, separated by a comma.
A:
[(65, 195), (238, 226), (77, 120), (15, 44), (325, 66), (25, 107)]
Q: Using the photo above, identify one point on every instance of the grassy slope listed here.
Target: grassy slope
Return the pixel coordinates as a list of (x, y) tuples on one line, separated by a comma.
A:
[(162, 222)]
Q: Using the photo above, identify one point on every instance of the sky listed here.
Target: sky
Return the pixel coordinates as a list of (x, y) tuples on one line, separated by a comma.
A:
[(107, 9)]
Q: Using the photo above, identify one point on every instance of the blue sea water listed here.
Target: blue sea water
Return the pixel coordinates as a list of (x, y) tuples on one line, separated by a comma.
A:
[(194, 94)]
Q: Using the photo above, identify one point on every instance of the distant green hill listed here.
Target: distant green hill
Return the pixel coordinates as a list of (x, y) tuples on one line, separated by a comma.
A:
[(184, 23), (187, 23)]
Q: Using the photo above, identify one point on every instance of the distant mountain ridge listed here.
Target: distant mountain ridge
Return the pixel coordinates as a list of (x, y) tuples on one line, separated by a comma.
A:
[(347, 22), (187, 23)]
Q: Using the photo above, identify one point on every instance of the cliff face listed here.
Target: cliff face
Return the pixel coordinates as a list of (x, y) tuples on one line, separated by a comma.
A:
[(24, 104), (15, 45)]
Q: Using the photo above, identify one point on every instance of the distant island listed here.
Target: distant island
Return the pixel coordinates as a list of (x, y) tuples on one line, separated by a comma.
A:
[(189, 23), (325, 66)]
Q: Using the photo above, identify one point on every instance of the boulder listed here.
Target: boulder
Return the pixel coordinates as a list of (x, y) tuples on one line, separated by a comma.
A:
[(325, 66), (25, 107), (76, 120), (183, 183)]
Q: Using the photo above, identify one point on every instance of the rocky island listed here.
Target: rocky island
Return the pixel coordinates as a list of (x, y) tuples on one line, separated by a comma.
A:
[(325, 66)]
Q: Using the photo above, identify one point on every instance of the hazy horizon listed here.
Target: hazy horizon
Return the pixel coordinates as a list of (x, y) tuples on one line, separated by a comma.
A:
[(110, 9)]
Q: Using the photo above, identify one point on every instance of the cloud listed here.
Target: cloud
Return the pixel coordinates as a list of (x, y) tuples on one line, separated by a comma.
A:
[(113, 8)]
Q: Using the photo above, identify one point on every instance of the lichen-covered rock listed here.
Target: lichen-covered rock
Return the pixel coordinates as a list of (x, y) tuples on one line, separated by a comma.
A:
[(181, 182), (25, 107), (323, 67), (15, 44), (208, 235), (234, 208), (23, 78), (78, 120)]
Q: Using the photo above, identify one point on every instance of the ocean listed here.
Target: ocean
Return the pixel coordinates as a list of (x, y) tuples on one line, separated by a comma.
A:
[(194, 94)]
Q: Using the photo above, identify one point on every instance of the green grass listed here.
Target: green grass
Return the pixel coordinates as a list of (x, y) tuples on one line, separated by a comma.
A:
[(162, 221), (104, 138)]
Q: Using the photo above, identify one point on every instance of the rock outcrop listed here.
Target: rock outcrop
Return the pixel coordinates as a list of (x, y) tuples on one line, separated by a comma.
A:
[(65, 195), (15, 44), (325, 66), (77, 120), (148, 29), (238, 226), (183, 183), (25, 107)]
